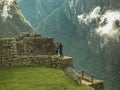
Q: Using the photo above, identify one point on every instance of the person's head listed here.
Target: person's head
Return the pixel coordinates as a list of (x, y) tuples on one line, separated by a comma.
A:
[(60, 43)]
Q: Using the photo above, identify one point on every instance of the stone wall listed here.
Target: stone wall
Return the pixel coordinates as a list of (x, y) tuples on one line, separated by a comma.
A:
[(7, 51), (40, 60), (73, 74), (35, 46), (31, 51), (45, 60)]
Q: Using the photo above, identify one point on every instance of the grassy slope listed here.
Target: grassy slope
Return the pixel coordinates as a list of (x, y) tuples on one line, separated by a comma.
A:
[(36, 78), (101, 89)]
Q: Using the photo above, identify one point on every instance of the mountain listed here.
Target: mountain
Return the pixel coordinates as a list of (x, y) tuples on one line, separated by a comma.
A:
[(37, 10), (96, 53), (12, 21)]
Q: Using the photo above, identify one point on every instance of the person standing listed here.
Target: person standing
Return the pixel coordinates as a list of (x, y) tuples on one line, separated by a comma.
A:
[(61, 49), (56, 48)]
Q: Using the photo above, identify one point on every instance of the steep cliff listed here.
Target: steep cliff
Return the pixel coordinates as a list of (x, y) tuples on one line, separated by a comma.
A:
[(12, 21)]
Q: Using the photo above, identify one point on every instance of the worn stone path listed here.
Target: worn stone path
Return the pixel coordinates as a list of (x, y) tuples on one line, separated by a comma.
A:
[(95, 84)]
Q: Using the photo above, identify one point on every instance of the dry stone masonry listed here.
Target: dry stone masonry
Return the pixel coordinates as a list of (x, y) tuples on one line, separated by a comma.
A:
[(73, 74), (31, 50)]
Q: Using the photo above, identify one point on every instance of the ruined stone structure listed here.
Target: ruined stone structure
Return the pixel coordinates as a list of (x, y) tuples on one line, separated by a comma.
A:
[(35, 50), (31, 50)]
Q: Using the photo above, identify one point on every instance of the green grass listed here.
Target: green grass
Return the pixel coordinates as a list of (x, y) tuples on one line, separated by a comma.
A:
[(102, 89), (37, 78)]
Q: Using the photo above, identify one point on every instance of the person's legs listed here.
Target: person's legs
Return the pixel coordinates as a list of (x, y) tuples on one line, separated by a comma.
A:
[(61, 54), (56, 52)]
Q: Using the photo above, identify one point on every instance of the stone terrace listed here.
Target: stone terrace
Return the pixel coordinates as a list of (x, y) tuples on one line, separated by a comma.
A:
[(31, 50)]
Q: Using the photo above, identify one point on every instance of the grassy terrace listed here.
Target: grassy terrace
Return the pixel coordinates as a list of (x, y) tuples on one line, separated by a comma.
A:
[(37, 78)]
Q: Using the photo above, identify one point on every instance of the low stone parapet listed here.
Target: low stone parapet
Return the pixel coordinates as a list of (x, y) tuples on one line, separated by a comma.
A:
[(45, 60), (73, 74), (40, 60)]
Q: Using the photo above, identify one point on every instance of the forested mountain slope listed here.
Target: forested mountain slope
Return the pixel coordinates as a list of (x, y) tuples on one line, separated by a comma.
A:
[(36, 10)]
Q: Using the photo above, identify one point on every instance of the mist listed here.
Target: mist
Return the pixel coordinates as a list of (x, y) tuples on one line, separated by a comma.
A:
[(6, 8), (108, 25), (89, 17)]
